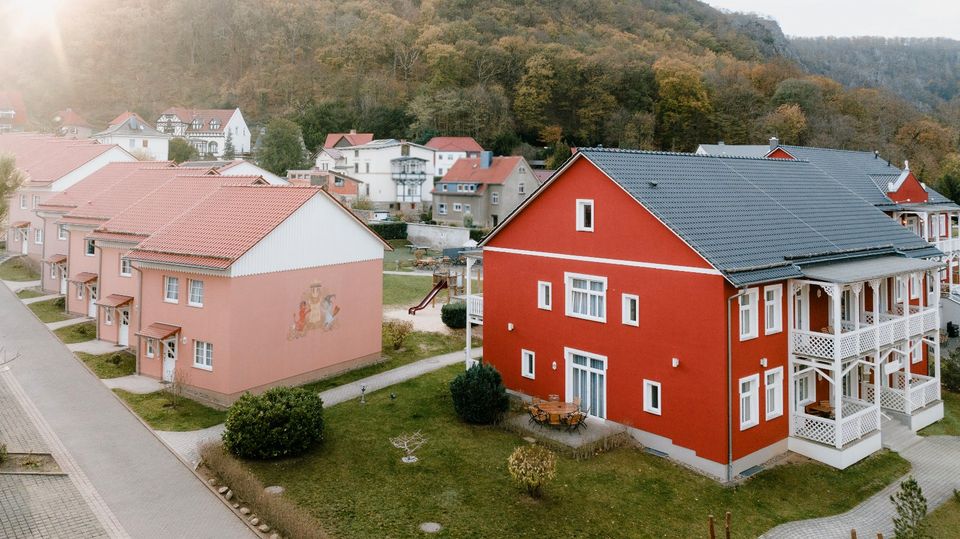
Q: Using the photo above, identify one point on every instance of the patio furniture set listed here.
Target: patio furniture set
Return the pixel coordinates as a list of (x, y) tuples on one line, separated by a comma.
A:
[(557, 414)]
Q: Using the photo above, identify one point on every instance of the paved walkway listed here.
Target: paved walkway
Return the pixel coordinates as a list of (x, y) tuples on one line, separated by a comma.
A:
[(17, 285), (134, 383), (95, 347), (186, 443), (936, 467), (38, 299), (427, 319), (68, 322), (147, 488)]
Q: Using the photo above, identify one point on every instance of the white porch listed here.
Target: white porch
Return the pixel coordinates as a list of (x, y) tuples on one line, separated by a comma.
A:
[(474, 301)]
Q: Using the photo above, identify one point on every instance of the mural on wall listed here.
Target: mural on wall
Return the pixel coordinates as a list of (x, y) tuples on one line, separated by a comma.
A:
[(317, 310)]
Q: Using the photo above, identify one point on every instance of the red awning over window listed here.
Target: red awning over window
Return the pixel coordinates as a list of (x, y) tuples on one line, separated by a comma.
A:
[(114, 300), (159, 331)]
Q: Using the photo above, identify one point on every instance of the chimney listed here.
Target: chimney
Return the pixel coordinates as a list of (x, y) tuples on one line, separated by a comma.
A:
[(774, 143), (486, 159), (906, 165), (353, 131), (876, 154), (720, 143)]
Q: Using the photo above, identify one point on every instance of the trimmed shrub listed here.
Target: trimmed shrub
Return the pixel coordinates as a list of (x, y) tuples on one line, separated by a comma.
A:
[(395, 332), (60, 303), (478, 395), (532, 467), (280, 422), (950, 371), (390, 230), (477, 234), (454, 315)]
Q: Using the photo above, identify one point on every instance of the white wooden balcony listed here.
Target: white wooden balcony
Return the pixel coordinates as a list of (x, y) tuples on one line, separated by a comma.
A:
[(475, 308), (852, 342), (919, 393), (948, 245), (858, 419)]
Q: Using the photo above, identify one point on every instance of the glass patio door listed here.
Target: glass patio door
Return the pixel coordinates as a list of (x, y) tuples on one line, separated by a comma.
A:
[(588, 382)]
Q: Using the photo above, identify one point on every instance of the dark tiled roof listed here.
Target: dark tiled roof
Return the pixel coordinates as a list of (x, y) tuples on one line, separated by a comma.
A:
[(755, 219)]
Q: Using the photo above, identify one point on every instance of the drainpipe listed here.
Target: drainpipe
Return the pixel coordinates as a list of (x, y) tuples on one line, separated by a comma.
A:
[(741, 292), (139, 309), (99, 287)]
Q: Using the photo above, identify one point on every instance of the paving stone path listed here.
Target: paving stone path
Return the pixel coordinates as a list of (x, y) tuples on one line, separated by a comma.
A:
[(69, 322), (38, 299), (134, 383)]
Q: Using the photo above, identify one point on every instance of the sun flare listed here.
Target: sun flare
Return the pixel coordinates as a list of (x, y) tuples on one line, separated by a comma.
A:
[(33, 17)]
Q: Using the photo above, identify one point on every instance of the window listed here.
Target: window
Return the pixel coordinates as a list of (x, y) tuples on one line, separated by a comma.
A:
[(38, 236), (151, 348), (442, 208), (544, 295), (748, 314), (215, 124), (171, 289), (915, 286), (61, 232), (144, 143), (521, 188), (53, 271), (443, 187), (196, 293), (749, 409), (88, 248), (125, 268), (494, 198), (203, 355), (901, 289), (23, 202), (338, 182), (457, 206), (466, 208), (584, 215), (772, 309), (630, 305), (804, 389), (916, 352), (527, 360), (367, 165), (586, 297), (108, 316), (196, 124), (773, 391), (651, 397), (36, 201)]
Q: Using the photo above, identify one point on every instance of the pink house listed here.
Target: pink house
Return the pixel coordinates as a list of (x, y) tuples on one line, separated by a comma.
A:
[(257, 286), (51, 165), (118, 283)]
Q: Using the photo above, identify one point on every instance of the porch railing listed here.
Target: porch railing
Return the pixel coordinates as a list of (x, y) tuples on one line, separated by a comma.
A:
[(475, 308), (923, 390), (863, 419), (948, 245), (854, 342)]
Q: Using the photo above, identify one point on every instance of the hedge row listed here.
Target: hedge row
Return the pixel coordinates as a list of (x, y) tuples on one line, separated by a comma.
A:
[(390, 230)]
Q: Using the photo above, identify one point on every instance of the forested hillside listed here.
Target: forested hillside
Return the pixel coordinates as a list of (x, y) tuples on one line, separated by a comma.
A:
[(638, 73)]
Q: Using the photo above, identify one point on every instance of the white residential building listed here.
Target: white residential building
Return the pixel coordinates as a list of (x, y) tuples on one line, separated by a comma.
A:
[(207, 129), (449, 149), (132, 133)]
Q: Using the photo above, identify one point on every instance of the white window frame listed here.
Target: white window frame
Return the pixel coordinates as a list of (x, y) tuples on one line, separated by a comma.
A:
[(207, 353), (753, 310), (89, 248), (38, 236), (36, 201), (167, 279), (545, 295), (568, 354), (776, 307), (151, 347), (190, 300), (108, 316), (900, 285), (125, 264), (568, 307), (754, 401), (494, 198), (807, 377), (441, 208), (53, 271), (528, 364), (23, 202), (521, 189), (915, 352), (648, 386), (582, 204), (625, 301), (915, 286), (466, 208), (61, 232), (457, 207), (775, 387)]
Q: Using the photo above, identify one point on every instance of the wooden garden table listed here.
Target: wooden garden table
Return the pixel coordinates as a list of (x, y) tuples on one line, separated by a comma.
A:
[(557, 410)]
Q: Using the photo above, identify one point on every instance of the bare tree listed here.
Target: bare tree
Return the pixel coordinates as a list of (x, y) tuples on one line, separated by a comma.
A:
[(181, 379), (409, 443)]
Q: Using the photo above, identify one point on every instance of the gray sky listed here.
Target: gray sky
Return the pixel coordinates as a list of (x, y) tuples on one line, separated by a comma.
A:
[(888, 18)]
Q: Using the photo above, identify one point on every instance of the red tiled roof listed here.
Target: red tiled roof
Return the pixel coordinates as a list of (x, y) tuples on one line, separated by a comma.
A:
[(124, 117), (55, 259), (157, 330), (20, 224), (205, 115), (468, 170), (14, 101), (100, 181), (114, 300), (355, 139), (454, 144), (45, 158), (72, 118), (222, 227), (109, 203), (542, 174), (84, 277)]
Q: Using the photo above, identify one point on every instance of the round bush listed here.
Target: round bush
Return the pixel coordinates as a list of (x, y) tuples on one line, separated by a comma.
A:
[(532, 467), (280, 422), (478, 395), (454, 315), (950, 371)]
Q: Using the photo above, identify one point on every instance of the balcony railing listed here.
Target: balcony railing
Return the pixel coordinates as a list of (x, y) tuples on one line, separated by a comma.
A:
[(948, 245), (858, 419), (475, 308), (923, 390), (854, 342)]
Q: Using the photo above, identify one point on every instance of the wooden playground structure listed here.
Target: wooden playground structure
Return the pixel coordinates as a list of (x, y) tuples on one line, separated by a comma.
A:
[(445, 277)]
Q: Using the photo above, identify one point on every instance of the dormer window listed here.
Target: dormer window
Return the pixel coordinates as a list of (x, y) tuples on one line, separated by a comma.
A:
[(196, 125), (215, 124)]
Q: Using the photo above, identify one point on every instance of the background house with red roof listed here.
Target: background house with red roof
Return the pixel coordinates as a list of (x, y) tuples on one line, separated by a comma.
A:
[(207, 129), (13, 113), (342, 140), (449, 149), (487, 188), (70, 124), (232, 303), (132, 132)]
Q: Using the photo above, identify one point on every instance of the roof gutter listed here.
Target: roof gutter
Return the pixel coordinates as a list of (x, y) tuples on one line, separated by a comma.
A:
[(730, 299)]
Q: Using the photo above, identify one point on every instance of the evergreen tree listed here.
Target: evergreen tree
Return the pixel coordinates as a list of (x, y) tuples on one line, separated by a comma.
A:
[(228, 151), (282, 148), (911, 508), (180, 150)]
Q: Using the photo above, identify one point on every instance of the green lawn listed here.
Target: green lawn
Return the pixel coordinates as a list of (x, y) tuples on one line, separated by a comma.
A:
[(945, 521), (419, 345), (401, 253), (16, 270), (155, 408), (405, 290), (356, 485), (27, 293), (87, 331), (112, 365), (51, 310), (950, 424)]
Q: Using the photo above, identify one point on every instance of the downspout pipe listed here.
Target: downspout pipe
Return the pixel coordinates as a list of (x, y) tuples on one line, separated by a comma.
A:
[(739, 293), (137, 306)]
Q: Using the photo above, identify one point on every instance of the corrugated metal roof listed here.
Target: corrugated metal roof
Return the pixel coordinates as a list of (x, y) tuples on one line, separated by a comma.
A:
[(754, 218), (852, 271)]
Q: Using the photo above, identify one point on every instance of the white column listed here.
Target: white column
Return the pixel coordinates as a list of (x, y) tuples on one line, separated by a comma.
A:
[(877, 363), (469, 346), (793, 288), (834, 291), (936, 361)]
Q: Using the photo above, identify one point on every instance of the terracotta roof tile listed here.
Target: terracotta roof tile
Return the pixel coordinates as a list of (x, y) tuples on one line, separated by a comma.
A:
[(98, 182), (110, 203), (84, 277), (157, 330), (72, 118), (454, 144), (354, 139), (46, 158), (467, 170), (187, 116), (114, 300)]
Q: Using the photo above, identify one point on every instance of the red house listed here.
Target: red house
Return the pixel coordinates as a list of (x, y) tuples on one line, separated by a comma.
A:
[(723, 310)]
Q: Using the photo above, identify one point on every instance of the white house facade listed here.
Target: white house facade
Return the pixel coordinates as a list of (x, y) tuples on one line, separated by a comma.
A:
[(136, 136), (207, 129)]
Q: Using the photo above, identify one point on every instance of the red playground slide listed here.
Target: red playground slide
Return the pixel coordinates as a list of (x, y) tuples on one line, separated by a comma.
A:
[(430, 295)]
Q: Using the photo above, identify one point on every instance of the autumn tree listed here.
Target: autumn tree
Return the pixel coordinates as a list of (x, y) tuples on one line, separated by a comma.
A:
[(683, 109), (788, 123), (282, 148), (533, 93), (10, 179)]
